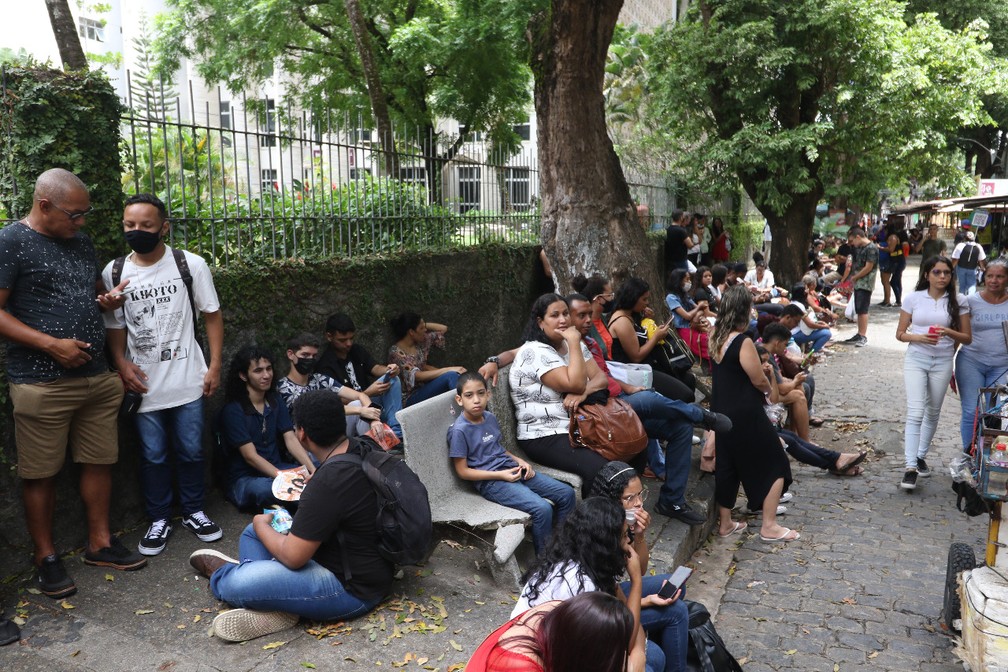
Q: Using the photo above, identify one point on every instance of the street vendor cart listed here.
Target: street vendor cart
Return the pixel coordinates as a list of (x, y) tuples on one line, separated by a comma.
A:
[(976, 597)]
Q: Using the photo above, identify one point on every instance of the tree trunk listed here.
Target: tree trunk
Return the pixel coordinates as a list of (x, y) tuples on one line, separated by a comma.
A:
[(792, 236), (376, 94), (65, 31), (589, 223)]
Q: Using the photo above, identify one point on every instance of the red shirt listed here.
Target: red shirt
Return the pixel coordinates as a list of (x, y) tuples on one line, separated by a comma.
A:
[(593, 347)]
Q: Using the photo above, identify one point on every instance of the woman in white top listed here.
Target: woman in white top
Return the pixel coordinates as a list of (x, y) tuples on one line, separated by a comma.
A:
[(934, 320), (984, 362), (552, 373)]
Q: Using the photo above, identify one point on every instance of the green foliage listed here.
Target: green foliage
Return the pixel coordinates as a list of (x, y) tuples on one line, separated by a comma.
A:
[(461, 60), (51, 119), (834, 97), (374, 216), (150, 96)]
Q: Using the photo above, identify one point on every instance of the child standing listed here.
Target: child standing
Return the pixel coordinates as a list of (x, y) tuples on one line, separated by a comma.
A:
[(474, 444)]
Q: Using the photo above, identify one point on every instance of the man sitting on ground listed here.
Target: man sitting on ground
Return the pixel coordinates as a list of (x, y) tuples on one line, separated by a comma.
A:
[(796, 389), (327, 567)]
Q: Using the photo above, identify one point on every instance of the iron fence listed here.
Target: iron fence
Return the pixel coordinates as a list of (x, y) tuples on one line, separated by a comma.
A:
[(251, 178)]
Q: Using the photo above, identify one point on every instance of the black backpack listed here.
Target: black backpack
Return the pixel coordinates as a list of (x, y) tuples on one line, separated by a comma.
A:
[(968, 500), (404, 516), (969, 258), (706, 650)]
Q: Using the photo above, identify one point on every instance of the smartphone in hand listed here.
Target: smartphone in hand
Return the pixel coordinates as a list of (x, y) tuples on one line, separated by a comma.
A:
[(675, 582)]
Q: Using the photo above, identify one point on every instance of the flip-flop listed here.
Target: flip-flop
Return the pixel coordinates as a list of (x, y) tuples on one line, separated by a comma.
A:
[(737, 526), (783, 537), (816, 422), (844, 470)]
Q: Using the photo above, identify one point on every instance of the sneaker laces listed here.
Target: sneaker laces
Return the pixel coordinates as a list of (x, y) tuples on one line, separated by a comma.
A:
[(157, 528), (200, 518)]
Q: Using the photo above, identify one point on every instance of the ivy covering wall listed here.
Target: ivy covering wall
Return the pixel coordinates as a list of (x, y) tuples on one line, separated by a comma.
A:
[(52, 119)]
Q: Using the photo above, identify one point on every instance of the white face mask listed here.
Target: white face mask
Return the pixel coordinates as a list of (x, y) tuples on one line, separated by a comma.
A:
[(688, 286)]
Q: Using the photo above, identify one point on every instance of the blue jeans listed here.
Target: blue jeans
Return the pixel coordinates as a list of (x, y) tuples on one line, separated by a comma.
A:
[(818, 338), (259, 582), (432, 388), (668, 627), (966, 277), (182, 428), (807, 452), (656, 458), (530, 496), (256, 492), (896, 280), (672, 421), (970, 376), (926, 378), (391, 402)]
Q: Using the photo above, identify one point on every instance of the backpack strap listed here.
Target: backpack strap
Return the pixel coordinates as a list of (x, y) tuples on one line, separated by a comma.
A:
[(117, 269), (183, 267)]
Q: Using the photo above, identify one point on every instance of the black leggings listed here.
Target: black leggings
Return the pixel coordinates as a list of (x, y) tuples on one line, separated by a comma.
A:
[(674, 388), (556, 451)]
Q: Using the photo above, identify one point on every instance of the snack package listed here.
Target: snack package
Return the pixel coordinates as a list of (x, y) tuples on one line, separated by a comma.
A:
[(282, 519), (289, 483)]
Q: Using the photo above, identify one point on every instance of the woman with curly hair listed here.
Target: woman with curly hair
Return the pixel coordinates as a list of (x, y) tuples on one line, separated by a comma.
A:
[(590, 551), (590, 631), (934, 320), (751, 451), (666, 621)]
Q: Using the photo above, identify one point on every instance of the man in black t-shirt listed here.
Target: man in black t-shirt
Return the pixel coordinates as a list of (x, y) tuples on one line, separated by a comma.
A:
[(676, 245), (350, 364), (327, 567), (60, 383)]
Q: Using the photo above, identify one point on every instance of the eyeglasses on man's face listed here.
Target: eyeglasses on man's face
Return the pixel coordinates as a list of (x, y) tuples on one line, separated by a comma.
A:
[(74, 215)]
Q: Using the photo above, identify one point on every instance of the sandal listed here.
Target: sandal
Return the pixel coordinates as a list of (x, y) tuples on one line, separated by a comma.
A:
[(846, 469), (737, 526), (784, 537), (816, 422)]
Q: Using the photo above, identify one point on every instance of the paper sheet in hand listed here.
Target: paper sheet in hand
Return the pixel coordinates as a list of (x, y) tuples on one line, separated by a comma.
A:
[(288, 484)]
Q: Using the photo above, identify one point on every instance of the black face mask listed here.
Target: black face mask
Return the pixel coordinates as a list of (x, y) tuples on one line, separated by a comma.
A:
[(142, 242), (608, 306), (305, 365)]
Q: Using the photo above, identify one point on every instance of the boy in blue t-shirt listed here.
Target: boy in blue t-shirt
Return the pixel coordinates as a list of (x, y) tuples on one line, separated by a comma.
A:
[(474, 444)]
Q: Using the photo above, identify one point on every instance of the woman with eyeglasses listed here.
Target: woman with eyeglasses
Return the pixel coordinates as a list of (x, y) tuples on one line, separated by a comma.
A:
[(984, 362), (934, 320), (600, 292), (666, 622)]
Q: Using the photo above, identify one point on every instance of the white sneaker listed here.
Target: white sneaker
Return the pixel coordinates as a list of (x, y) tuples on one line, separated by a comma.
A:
[(781, 510), (241, 625), (786, 497)]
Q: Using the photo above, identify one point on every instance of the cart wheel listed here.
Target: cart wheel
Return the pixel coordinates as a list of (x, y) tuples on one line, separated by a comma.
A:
[(960, 558)]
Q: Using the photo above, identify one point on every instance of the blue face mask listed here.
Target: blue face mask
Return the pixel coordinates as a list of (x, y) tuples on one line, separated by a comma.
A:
[(142, 242)]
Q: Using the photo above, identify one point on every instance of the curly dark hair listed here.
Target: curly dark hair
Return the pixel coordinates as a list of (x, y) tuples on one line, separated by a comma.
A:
[(235, 388), (589, 539), (612, 479), (629, 292)]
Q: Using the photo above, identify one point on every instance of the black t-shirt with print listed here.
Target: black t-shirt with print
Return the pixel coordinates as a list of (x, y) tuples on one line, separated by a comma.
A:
[(354, 371), (52, 285)]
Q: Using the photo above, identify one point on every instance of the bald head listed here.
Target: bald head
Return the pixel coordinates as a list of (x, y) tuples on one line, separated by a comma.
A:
[(57, 184)]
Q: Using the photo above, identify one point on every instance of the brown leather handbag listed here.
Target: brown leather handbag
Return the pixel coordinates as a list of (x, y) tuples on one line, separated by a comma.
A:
[(611, 429)]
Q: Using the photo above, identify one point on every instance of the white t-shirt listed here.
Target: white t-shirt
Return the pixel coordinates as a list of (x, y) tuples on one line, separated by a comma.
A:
[(926, 312), (160, 335), (803, 328), (558, 586), (539, 409), (766, 283)]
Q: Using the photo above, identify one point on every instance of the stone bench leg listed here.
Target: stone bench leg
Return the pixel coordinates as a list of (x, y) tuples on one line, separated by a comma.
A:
[(503, 565)]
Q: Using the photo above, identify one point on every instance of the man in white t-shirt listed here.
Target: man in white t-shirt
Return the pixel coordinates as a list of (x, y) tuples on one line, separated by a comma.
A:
[(153, 343), (966, 258)]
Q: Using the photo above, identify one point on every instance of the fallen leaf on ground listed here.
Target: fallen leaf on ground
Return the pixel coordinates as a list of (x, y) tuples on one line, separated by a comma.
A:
[(67, 605), (143, 612), (273, 645), (310, 666), (34, 591), (455, 645), (790, 652), (109, 577)]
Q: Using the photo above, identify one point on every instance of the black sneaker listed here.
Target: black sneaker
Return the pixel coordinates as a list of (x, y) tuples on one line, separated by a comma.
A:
[(116, 556), (199, 524), (9, 632), (718, 422), (861, 342), (681, 512), (909, 481), (52, 579), (853, 340), (156, 538), (922, 468)]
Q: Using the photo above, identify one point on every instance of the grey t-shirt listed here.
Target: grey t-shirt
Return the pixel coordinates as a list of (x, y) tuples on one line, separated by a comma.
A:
[(52, 289), (988, 344)]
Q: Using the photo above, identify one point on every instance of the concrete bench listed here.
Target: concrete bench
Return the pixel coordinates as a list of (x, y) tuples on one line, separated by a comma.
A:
[(455, 501)]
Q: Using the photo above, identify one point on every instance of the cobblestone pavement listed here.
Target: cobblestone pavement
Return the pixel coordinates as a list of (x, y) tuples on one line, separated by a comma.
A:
[(863, 588)]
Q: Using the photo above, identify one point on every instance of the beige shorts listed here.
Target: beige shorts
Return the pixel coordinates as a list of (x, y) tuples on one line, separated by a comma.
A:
[(79, 411)]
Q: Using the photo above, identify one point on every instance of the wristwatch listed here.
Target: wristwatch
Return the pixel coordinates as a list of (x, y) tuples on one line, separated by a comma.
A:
[(492, 359)]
